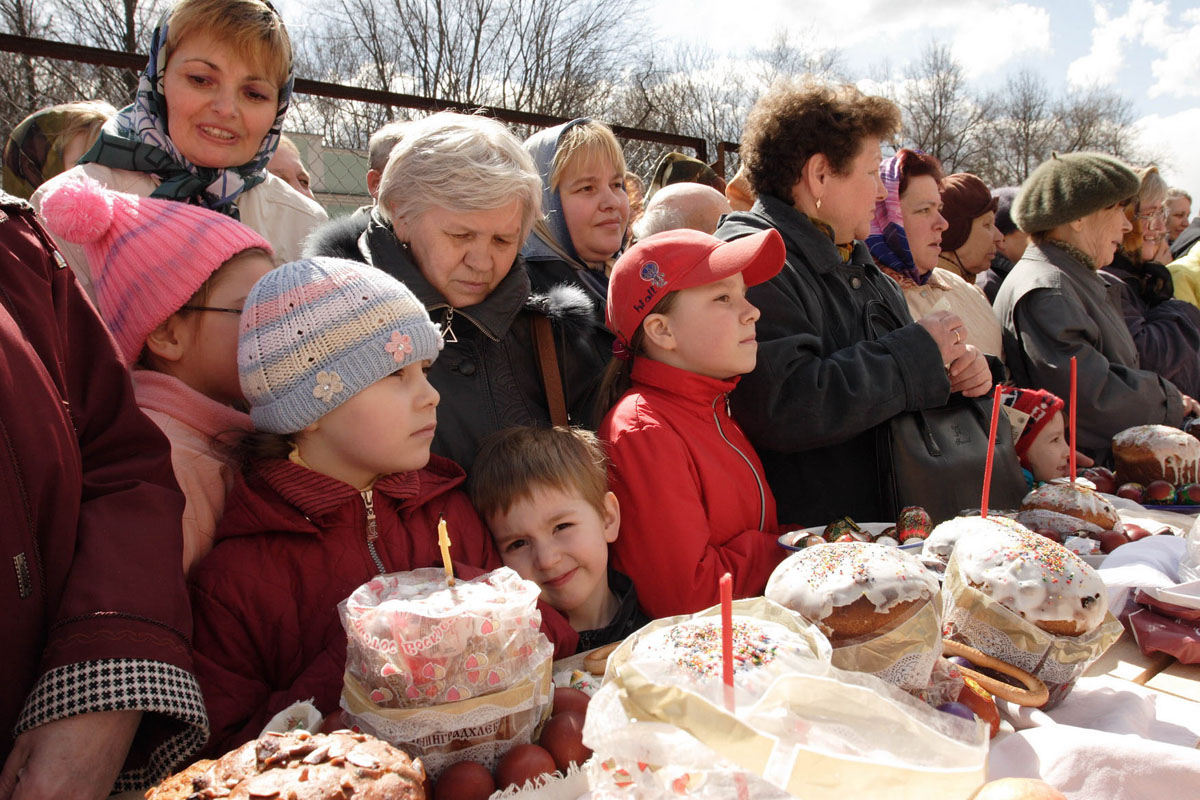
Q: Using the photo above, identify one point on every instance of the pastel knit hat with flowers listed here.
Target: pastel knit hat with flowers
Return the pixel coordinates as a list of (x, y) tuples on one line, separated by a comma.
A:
[(147, 256), (318, 331)]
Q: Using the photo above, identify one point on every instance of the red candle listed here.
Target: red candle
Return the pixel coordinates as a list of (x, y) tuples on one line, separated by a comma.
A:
[(1073, 439), (987, 468), (726, 584)]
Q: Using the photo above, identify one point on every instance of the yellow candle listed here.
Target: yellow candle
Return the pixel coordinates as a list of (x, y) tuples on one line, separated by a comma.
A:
[(444, 543)]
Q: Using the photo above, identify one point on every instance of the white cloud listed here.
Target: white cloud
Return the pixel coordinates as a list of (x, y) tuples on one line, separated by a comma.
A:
[(1149, 25), (1174, 137)]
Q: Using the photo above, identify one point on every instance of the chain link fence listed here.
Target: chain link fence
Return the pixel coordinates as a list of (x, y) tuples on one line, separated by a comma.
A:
[(329, 123)]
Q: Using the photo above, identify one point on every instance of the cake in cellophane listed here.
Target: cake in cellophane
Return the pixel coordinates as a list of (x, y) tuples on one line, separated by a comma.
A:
[(878, 605), (1030, 602), (453, 672)]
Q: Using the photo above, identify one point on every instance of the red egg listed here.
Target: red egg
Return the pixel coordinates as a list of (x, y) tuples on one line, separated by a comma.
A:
[(1135, 532), (570, 700), (563, 738), (1111, 540), (980, 701), (1106, 483), (1132, 491), (466, 780), (523, 763), (1159, 493), (1050, 534)]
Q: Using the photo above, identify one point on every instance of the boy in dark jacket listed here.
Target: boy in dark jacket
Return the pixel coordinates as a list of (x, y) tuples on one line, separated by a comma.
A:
[(544, 493)]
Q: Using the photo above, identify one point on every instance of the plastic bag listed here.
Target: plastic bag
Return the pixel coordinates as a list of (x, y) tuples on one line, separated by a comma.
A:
[(801, 727), (903, 654), (449, 672), (1189, 565), (971, 617)]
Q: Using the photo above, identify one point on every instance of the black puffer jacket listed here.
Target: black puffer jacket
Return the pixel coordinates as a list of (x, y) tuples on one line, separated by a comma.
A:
[(821, 388), (489, 379)]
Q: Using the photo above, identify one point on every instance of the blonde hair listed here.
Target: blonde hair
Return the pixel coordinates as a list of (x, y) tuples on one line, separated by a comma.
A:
[(514, 462), (1152, 189), (85, 116), (586, 141), (459, 162), (245, 26)]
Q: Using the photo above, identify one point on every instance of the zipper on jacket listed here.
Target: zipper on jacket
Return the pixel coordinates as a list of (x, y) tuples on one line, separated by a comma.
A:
[(762, 497), (368, 497)]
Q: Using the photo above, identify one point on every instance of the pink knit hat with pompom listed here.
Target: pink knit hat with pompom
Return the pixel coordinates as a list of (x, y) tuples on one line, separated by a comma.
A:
[(147, 256)]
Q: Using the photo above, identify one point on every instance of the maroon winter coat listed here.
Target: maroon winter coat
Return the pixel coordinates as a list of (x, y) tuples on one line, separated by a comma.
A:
[(292, 544), (94, 611)]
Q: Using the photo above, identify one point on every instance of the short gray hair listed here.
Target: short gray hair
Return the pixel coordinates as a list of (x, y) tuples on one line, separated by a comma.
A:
[(380, 145), (459, 162), (658, 219)]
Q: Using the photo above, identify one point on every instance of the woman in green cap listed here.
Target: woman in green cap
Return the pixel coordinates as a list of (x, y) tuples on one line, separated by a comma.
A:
[(1054, 305)]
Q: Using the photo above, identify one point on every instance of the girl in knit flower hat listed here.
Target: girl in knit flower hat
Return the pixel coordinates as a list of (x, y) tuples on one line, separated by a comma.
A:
[(338, 486), (170, 279)]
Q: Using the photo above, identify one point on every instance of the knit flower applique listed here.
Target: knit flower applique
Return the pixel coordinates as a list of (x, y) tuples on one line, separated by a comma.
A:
[(399, 346), (328, 384)]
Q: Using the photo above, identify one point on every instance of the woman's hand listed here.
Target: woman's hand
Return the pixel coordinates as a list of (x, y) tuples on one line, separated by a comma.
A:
[(1190, 407), (970, 374), (948, 331), (75, 758)]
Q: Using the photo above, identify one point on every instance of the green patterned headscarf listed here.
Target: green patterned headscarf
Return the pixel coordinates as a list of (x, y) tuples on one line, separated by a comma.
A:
[(33, 153), (137, 139)]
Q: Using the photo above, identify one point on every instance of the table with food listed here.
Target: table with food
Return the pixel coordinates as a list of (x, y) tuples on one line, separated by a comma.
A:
[(1047, 651)]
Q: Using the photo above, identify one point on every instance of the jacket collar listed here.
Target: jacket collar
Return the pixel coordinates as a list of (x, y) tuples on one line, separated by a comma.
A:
[(316, 495), (1077, 273), (157, 391), (695, 390), (818, 249), (493, 317)]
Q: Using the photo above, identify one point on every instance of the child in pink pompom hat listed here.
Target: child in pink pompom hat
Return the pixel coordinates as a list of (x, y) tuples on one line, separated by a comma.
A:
[(170, 279)]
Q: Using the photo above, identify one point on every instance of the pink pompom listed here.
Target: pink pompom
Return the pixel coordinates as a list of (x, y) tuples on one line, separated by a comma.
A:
[(79, 210)]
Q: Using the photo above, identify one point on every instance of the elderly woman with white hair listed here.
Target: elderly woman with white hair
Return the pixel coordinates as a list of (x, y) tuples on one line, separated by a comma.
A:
[(457, 200), (1166, 330)]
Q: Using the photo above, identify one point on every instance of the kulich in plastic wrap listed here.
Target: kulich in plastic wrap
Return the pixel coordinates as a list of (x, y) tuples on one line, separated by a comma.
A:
[(454, 672), (877, 604), (659, 726), (1028, 602)]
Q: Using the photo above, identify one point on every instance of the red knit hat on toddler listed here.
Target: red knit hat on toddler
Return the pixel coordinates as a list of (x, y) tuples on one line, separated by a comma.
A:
[(147, 256), (1029, 411)]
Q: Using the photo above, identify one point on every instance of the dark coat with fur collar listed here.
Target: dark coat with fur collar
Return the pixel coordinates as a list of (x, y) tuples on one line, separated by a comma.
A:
[(488, 379)]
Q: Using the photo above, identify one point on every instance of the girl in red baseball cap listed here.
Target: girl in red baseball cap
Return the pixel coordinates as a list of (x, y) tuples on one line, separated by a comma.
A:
[(695, 503)]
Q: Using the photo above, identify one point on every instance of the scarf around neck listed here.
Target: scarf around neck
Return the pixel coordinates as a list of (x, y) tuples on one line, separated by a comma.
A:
[(137, 139), (887, 241)]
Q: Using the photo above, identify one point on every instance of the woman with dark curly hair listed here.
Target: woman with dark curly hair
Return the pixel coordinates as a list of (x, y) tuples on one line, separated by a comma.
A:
[(825, 382)]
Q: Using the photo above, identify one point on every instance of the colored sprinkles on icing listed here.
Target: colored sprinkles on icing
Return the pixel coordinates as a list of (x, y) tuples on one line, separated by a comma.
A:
[(698, 648)]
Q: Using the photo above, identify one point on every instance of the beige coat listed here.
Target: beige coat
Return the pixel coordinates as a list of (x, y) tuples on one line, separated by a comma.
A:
[(282, 215), (945, 290)]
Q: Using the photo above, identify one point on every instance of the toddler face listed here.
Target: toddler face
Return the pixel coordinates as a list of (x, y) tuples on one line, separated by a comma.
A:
[(558, 540), (1050, 456)]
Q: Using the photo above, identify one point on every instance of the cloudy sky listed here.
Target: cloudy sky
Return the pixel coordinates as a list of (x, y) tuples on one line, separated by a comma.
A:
[(1148, 51)]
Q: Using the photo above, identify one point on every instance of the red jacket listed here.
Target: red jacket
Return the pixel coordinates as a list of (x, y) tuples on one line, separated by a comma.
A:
[(294, 543), (694, 501), (93, 607)]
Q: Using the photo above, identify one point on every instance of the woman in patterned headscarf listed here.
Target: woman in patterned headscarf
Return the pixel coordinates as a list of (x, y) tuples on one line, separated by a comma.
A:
[(207, 117), (49, 141)]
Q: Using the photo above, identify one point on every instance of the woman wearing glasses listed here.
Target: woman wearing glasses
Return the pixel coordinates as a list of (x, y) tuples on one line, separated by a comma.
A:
[(170, 280), (1054, 305), (1165, 330)]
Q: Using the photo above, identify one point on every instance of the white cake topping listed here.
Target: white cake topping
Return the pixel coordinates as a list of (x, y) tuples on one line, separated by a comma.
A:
[(819, 579), (1171, 446), (937, 548), (693, 648), (1033, 576), (1073, 500)]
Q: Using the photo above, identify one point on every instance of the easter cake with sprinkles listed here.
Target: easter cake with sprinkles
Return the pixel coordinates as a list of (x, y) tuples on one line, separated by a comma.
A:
[(1034, 577), (692, 649), (851, 589)]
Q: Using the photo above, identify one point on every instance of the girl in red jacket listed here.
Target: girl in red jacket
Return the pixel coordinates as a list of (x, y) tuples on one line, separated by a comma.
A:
[(339, 487), (694, 501)]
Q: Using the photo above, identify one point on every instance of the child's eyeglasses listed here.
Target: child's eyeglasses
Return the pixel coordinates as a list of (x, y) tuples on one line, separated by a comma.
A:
[(211, 308)]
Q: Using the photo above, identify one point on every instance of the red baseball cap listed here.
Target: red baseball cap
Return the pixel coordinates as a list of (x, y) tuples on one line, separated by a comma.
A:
[(683, 259)]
